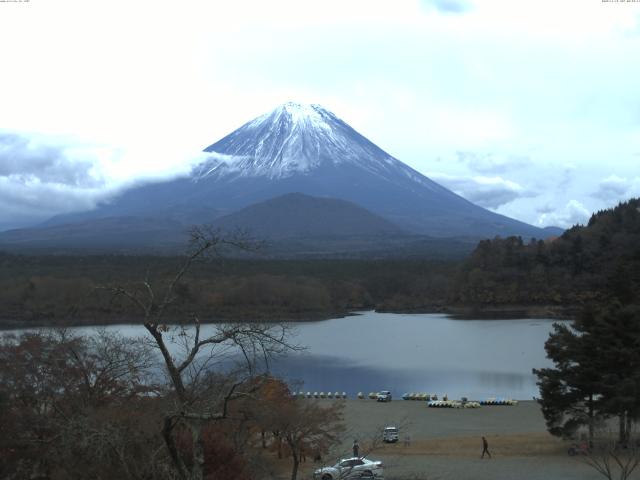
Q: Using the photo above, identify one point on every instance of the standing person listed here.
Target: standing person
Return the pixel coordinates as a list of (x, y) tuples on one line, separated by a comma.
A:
[(485, 448), (303, 452), (356, 448)]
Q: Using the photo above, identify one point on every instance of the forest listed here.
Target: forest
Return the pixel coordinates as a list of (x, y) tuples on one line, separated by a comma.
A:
[(47, 290), (555, 277), (587, 264)]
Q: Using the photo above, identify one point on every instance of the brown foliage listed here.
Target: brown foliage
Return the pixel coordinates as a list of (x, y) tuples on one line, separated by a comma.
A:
[(74, 407), (300, 428)]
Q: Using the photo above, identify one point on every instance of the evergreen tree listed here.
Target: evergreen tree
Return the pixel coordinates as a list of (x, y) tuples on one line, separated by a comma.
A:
[(617, 333), (596, 373), (569, 392)]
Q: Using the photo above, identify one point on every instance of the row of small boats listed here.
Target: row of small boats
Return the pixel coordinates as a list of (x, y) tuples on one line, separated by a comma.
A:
[(421, 396), (432, 400), (452, 404), (319, 395), (470, 404), (498, 401)]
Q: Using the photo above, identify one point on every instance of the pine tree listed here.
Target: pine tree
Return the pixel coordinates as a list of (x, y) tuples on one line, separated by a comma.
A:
[(596, 374), (570, 391)]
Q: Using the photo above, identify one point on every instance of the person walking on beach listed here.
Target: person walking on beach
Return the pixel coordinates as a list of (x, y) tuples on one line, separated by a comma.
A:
[(356, 448), (485, 448)]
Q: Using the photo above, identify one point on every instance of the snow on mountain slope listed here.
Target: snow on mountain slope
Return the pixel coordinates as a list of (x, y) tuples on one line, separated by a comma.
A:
[(297, 138)]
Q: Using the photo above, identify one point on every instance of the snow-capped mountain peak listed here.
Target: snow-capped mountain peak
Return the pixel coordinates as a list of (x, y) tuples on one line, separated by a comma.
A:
[(300, 115), (293, 138)]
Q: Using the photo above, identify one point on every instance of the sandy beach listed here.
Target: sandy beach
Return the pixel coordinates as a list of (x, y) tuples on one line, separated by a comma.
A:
[(446, 444)]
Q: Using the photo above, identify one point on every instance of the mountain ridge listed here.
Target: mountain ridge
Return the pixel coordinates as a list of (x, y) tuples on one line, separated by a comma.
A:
[(307, 149)]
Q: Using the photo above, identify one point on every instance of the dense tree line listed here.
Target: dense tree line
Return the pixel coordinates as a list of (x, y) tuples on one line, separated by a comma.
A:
[(62, 289), (587, 264)]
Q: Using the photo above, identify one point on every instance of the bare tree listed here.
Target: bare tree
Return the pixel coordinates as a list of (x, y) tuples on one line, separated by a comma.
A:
[(188, 353), (307, 427), (612, 460), (76, 407)]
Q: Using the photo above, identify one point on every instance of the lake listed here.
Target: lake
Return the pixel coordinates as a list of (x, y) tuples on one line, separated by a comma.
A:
[(430, 353)]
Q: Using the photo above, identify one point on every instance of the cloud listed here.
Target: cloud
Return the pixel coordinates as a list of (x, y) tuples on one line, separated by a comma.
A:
[(614, 189), (567, 177), (571, 214), (40, 178), (25, 159), (24, 203), (449, 6), (547, 208), (488, 192), (492, 164)]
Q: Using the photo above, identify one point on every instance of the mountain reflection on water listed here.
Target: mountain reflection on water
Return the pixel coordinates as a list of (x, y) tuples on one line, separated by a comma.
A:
[(429, 353), (323, 374)]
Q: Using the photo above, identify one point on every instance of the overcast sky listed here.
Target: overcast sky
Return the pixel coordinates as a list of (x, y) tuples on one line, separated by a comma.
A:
[(528, 107)]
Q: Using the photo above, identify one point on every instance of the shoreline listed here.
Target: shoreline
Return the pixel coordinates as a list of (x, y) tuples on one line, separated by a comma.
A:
[(456, 312), (494, 312), (12, 324)]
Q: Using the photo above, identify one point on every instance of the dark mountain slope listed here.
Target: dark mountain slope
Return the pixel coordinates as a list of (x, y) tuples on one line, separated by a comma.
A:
[(297, 215), (127, 233)]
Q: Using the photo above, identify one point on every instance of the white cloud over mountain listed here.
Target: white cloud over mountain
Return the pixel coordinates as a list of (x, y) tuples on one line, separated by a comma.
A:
[(488, 192), (572, 213), (40, 178)]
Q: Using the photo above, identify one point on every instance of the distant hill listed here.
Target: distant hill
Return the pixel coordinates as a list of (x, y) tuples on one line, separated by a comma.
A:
[(596, 262), (293, 226), (296, 215), (552, 232), (126, 233)]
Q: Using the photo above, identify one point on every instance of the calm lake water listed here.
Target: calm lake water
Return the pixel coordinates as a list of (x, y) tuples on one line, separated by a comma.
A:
[(422, 353), (430, 353)]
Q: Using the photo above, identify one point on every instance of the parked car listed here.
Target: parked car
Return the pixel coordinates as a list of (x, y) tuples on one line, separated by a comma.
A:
[(390, 434), (350, 468), (384, 396)]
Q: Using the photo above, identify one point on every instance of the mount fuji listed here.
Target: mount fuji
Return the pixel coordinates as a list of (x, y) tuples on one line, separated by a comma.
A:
[(298, 148)]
